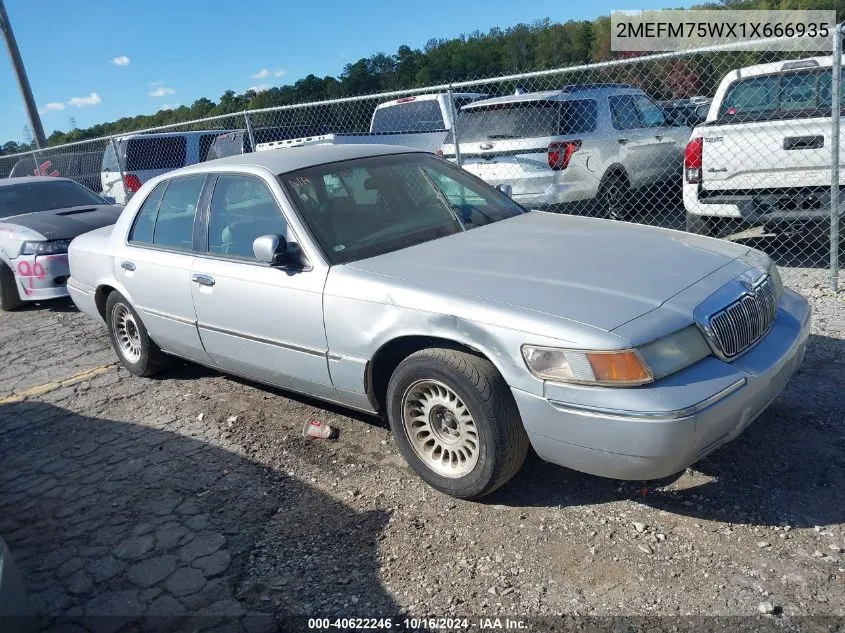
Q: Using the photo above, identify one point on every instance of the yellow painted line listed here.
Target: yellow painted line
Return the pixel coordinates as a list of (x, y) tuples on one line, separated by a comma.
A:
[(47, 387)]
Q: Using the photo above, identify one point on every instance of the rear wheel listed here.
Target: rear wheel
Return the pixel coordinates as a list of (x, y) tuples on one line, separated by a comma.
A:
[(614, 197), (134, 347), (10, 298), (455, 422)]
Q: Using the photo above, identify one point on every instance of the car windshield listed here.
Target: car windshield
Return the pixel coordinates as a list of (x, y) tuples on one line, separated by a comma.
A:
[(28, 197), (370, 206)]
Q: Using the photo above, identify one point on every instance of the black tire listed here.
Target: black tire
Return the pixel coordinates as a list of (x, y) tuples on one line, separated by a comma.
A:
[(502, 442), (10, 298), (699, 225), (614, 197), (149, 359)]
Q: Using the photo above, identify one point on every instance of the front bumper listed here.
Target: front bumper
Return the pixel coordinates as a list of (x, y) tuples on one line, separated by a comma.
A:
[(41, 277), (676, 421)]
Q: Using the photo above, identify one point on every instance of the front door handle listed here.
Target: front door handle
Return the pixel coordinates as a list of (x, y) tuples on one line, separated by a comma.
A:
[(622, 141), (202, 280), (127, 266)]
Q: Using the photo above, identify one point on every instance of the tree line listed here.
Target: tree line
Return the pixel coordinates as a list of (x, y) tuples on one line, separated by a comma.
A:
[(540, 45)]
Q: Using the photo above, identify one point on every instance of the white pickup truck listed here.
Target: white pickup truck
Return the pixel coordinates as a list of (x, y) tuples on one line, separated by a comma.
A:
[(422, 121), (762, 156)]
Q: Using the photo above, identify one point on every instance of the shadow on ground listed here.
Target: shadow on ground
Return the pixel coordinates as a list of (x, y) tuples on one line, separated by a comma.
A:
[(118, 525)]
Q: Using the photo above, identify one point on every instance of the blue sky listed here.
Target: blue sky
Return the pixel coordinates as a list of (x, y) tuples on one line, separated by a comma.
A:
[(98, 61)]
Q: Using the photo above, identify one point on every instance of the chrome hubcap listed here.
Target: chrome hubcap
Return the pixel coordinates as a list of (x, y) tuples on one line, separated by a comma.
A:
[(440, 428), (126, 333), (613, 200)]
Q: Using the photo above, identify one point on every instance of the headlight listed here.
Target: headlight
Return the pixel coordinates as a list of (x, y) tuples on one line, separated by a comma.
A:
[(49, 247), (775, 275), (672, 353), (618, 368)]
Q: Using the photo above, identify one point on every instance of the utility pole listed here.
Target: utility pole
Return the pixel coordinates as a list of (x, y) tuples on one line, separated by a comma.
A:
[(23, 82)]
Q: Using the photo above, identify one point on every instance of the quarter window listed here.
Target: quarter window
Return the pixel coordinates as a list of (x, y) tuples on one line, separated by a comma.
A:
[(242, 209)]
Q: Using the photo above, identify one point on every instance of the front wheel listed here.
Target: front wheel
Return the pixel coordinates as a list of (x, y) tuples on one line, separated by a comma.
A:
[(10, 298), (455, 422), (135, 349)]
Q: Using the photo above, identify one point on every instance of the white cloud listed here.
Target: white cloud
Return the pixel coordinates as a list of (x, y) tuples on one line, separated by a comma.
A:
[(52, 107), (122, 60), (82, 102), (161, 92), (266, 72), (156, 83), (260, 87), (169, 106)]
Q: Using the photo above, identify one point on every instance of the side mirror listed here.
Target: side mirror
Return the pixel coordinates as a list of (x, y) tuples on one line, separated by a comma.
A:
[(505, 189), (270, 249)]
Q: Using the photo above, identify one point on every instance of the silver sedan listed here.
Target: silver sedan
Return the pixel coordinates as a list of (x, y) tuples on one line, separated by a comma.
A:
[(391, 281)]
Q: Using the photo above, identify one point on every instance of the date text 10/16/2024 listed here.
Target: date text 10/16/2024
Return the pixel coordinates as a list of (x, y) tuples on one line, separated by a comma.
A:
[(416, 624)]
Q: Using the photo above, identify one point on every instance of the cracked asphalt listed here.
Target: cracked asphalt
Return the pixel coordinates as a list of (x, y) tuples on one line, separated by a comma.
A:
[(194, 494)]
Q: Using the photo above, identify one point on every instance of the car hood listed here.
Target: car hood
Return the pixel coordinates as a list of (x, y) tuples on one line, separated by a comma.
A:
[(65, 224), (596, 272)]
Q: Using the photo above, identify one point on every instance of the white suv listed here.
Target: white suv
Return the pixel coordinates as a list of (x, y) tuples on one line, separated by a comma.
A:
[(582, 142)]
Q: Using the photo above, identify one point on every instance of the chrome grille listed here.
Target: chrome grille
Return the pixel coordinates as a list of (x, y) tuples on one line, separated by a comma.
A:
[(744, 322)]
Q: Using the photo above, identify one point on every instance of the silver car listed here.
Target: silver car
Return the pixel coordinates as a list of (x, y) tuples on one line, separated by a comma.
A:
[(39, 216), (389, 280)]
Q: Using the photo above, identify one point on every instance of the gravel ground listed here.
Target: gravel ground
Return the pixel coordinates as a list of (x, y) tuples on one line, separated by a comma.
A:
[(195, 493)]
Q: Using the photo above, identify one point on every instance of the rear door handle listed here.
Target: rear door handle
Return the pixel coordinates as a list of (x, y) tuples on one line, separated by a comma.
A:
[(658, 137), (127, 266), (803, 142), (202, 280), (622, 141)]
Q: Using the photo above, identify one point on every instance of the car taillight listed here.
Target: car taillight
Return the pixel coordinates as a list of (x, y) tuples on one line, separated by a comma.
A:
[(560, 153), (131, 182), (692, 160)]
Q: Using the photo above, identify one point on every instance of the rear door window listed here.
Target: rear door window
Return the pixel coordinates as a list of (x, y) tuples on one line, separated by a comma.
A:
[(411, 116), (624, 113), (142, 231), (174, 226), (163, 152)]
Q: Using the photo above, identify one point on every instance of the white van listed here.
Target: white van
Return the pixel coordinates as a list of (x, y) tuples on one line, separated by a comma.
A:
[(130, 161)]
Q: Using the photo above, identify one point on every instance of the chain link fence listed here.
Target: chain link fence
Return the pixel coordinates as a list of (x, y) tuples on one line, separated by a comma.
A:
[(727, 142)]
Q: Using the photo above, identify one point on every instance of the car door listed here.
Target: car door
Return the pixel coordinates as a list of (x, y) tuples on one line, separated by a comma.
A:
[(663, 143), (256, 320), (633, 143), (111, 179), (157, 263)]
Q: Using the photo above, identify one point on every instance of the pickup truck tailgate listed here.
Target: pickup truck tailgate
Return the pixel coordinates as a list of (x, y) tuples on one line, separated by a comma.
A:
[(766, 154)]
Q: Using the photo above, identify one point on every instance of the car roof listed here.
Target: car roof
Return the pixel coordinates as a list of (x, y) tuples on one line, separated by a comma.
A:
[(131, 136), (563, 94), (280, 161), (5, 182), (426, 97), (808, 63)]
